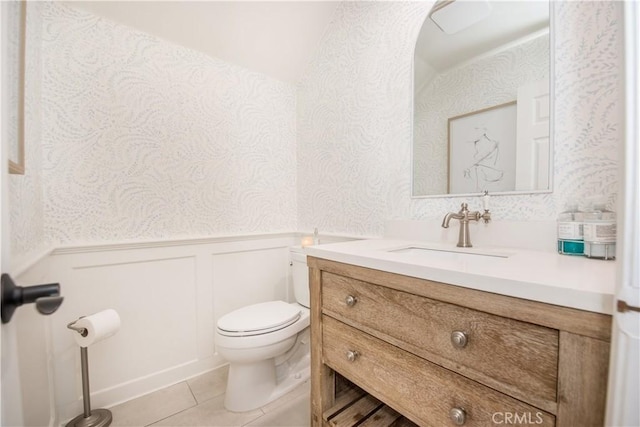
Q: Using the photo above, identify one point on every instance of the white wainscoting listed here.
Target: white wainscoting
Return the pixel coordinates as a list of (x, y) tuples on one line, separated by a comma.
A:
[(169, 296)]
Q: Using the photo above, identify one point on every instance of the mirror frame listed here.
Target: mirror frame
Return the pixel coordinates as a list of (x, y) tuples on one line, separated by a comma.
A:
[(551, 121), (16, 148)]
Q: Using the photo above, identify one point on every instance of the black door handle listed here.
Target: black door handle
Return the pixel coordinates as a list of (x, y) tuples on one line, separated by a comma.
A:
[(47, 297)]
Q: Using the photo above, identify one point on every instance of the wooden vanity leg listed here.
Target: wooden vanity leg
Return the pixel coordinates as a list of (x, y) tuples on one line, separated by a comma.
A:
[(322, 378), (582, 383)]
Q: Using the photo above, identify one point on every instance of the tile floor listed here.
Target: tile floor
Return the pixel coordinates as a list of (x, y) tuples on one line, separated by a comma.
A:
[(199, 402)]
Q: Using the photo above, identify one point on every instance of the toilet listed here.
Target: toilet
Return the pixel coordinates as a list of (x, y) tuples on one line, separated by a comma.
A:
[(267, 345)]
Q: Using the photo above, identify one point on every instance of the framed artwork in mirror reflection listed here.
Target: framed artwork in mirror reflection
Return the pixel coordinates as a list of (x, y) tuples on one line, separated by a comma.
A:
[(482, 150)]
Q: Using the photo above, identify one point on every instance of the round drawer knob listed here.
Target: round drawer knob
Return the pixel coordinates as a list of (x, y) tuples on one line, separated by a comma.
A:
[(458, 416), (351, 300), (459, 339), (352, 355)]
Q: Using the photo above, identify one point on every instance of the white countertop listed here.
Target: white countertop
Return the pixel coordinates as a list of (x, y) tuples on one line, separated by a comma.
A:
[(569, 281)]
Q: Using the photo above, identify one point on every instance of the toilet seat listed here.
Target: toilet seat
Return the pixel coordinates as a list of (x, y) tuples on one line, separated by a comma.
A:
[(258, 319)]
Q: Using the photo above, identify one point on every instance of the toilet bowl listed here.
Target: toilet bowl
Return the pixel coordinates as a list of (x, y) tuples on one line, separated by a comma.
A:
[(267, 345)]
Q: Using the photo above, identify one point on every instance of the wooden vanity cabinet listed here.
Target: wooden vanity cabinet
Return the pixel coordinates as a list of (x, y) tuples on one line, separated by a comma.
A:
[(435, 354)]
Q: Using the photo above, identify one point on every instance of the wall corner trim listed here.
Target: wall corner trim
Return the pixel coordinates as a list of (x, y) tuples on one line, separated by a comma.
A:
[(147, 244), (24, 263)]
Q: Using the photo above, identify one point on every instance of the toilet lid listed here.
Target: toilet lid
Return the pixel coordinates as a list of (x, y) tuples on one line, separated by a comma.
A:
[(262, 317)]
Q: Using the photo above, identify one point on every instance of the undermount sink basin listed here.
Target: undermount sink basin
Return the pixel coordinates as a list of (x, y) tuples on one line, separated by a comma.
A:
[(425, 251)]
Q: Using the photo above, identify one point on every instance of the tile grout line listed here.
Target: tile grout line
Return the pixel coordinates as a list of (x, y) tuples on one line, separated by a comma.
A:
[(192, 393), (180, 411), (261, 415), (255, 419)]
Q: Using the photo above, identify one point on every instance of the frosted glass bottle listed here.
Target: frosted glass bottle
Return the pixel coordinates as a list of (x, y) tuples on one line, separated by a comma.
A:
[(570, 231), (599, 232)]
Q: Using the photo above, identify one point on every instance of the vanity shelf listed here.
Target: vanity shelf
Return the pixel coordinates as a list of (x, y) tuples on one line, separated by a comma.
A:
[(355, 407), (438, 354)]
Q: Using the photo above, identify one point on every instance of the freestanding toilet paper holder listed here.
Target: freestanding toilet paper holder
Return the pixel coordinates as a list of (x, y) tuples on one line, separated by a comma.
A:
[(89, 418)]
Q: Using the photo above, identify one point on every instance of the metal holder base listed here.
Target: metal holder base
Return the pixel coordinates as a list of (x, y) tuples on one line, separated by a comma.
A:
[(89, 418), (98, 418)]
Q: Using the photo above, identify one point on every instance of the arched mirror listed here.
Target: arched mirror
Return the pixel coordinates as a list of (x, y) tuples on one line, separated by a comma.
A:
[(482, 93)]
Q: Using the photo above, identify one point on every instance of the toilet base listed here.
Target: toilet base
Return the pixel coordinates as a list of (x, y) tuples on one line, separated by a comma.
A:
[(252, 385), (242, 399)]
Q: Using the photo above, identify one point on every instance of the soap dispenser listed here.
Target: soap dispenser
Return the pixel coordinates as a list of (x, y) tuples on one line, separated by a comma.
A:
[(599, 230), (570, 231)]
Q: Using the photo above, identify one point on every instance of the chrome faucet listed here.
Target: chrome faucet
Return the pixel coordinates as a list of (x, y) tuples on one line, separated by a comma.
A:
[(464, 215)]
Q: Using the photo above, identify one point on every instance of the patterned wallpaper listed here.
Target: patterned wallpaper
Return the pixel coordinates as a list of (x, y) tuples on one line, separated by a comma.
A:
[(146, 139), (355, 125), (486, 82), (354, 119)]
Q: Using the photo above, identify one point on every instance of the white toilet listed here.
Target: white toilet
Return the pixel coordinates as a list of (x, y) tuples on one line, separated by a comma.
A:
[(267, 345)]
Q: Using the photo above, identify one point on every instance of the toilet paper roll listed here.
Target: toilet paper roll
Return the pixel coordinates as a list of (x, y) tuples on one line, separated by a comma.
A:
[(99, 326)]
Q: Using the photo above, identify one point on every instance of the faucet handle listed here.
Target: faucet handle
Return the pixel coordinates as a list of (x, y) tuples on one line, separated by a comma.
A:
[(464, 208), (485, 200)]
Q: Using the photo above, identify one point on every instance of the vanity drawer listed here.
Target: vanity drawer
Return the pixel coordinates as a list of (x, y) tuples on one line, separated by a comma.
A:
[(423, 391), (515, 357)]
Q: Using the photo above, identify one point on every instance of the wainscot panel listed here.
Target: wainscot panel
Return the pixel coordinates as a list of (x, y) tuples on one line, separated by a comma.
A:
[(169, 296)]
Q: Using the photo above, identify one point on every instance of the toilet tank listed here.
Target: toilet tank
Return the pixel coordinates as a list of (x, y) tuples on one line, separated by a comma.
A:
[(300, 276)]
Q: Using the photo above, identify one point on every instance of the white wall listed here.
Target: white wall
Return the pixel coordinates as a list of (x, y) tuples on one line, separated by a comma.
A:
[(25, 193), (133, 138), (194, 167), (351, 171), (169, 296), (137, 138), (153, 140), (355, 127), (10, 394)]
